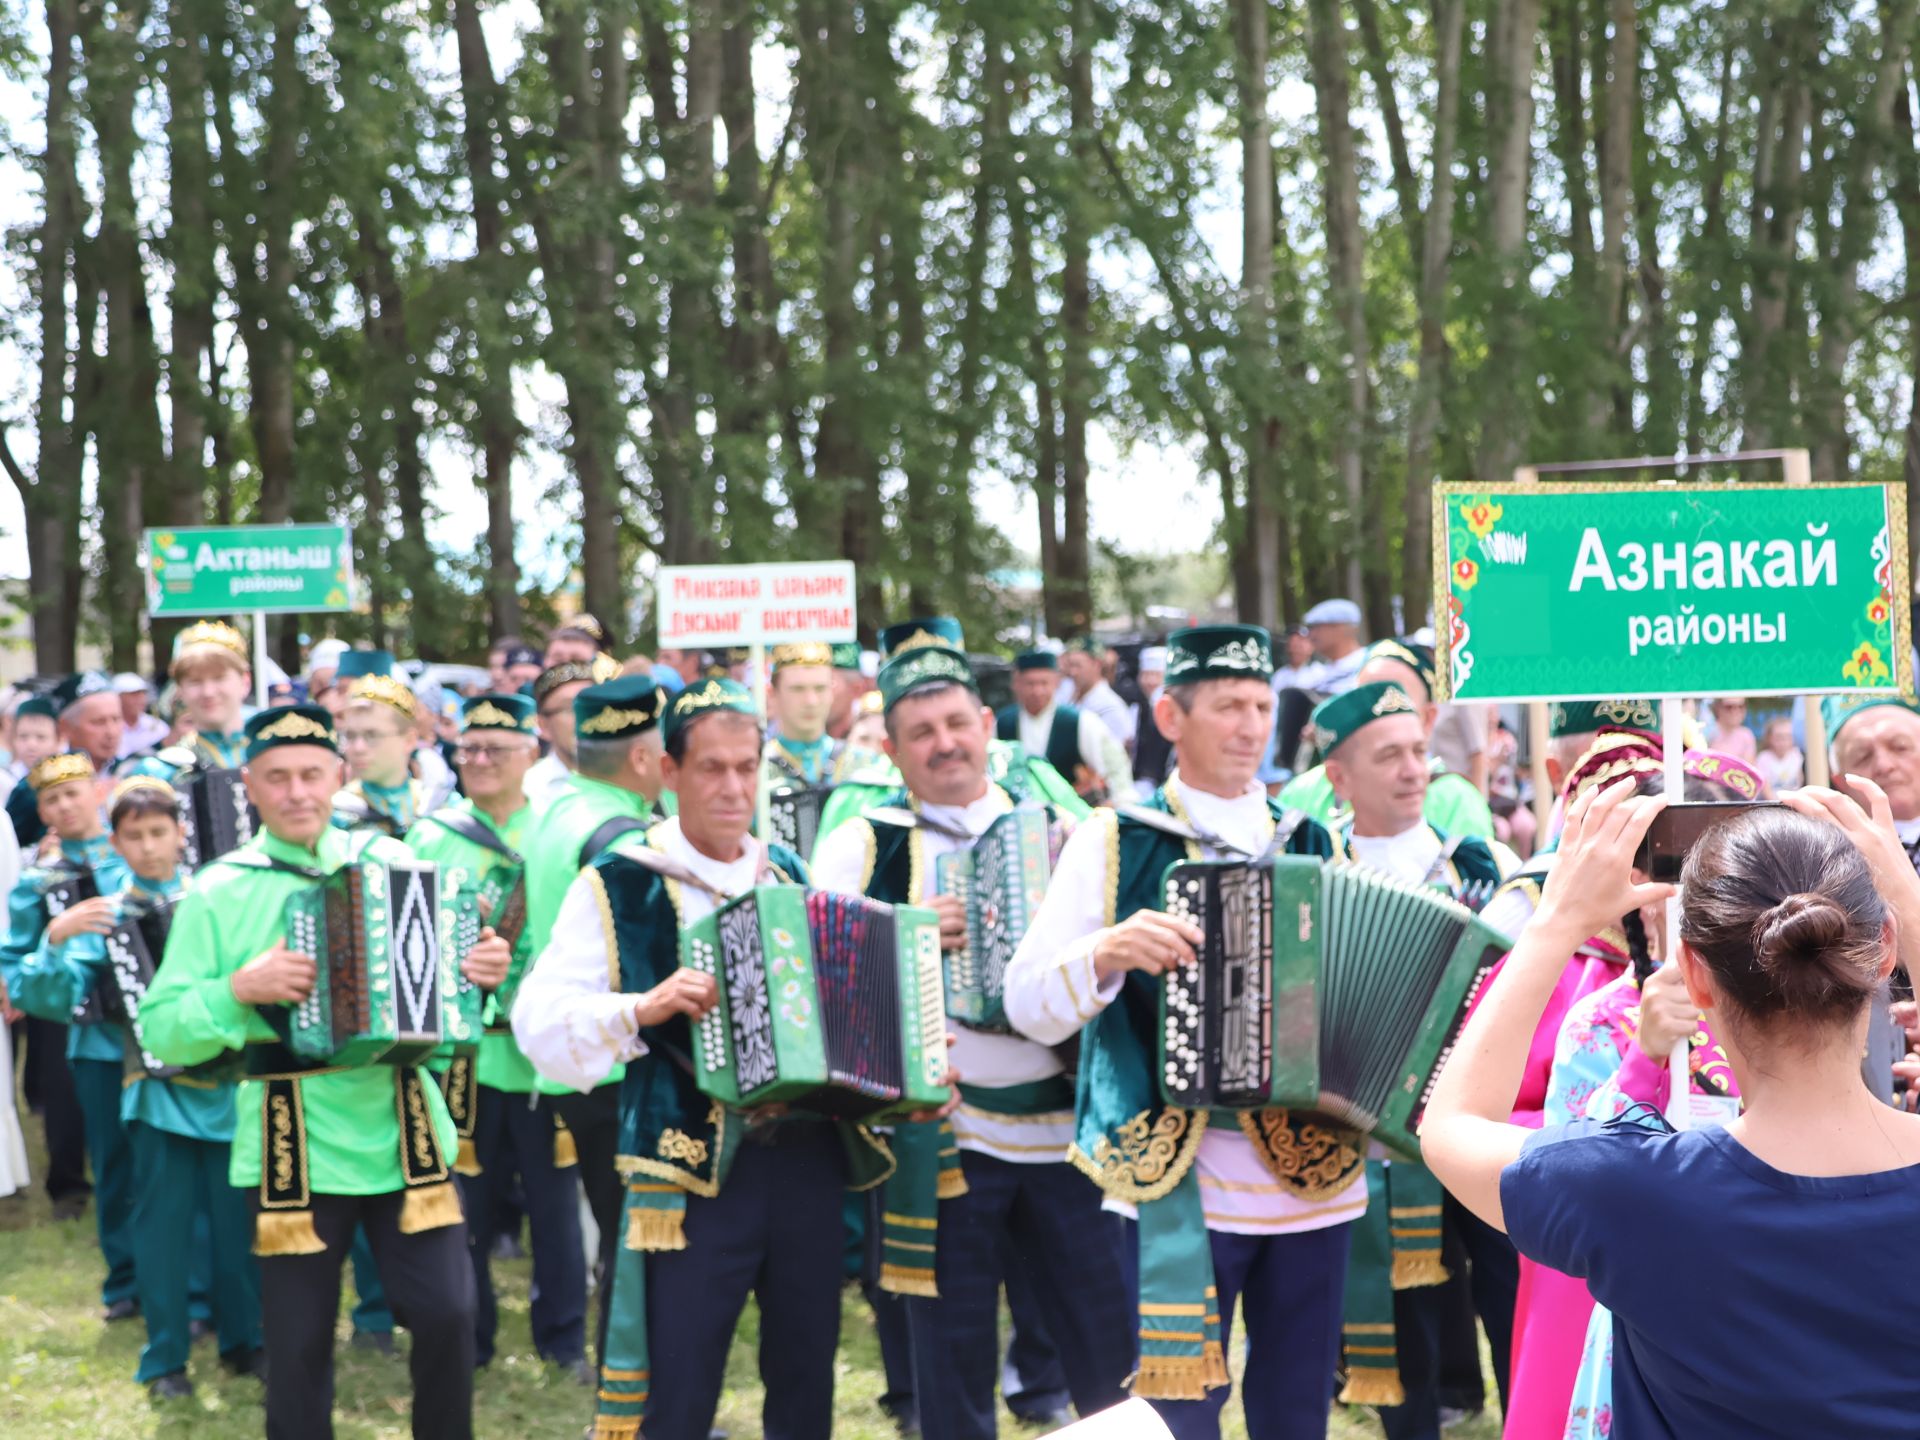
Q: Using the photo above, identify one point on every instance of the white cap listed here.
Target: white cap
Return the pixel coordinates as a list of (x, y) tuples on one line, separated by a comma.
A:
[(1334, 612), (325, 655), (1154, 657), (128, 683)]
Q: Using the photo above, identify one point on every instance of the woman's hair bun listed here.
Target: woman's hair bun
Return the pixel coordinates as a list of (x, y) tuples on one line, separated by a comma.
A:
[(1800, 928)]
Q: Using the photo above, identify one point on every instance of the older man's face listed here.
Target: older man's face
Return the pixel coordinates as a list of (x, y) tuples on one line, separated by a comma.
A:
[(1883, 745)]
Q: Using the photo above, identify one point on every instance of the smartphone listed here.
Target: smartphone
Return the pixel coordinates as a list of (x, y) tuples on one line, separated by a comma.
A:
[(1678, 828)]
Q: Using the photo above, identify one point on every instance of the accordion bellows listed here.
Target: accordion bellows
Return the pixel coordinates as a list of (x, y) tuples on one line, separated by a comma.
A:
[(793, 816), (387, 949), (134, 949), (1332, 987), (502, 901), (999, 882), (215, 815), (830, 1003)]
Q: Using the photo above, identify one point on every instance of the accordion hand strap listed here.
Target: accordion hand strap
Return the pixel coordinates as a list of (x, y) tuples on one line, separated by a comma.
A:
[(906, 819), (1181, 829), (1180, 1353)]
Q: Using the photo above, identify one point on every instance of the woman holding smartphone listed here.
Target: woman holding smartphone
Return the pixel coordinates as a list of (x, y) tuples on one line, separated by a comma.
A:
[(1793, 1221)]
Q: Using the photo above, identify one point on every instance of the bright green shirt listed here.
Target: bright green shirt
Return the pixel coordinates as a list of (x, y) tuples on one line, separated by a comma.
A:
[(501, 1064), (554, 838), (234, 912), (1453, 805)]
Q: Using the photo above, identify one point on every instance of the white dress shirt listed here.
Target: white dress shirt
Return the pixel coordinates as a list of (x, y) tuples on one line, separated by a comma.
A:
[(1100, 752), (146, 733), (984, 1061), (1052, 991), (1104, 702), (546, 778), (571, 1019)]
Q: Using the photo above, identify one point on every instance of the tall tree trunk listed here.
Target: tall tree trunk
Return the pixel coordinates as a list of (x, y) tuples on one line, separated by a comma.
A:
[(1340, 190), (1076, 329), (1024, 302), (1857, 230), (129, 446), (1711, 242), (578, 221), (682, 481), (1766, 368), (835, 157), (1416, 508), (1616, 145), (1506, 392), (50, 495), (267, 278), (1258, 534), (497, 423)]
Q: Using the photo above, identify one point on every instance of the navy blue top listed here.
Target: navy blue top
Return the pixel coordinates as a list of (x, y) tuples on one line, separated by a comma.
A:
[(1746, 1302)]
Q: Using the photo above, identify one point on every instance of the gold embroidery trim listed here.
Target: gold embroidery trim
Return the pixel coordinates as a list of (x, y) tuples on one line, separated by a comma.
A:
[(294, 726), (612, 721), (871, 851), (486, 713), (684, 1178), (1312, 1157), (678, 1145), (1148, 1160), (605, 905)]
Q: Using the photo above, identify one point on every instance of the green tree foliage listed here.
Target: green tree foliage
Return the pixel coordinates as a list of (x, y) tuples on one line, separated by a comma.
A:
[(745, 279)]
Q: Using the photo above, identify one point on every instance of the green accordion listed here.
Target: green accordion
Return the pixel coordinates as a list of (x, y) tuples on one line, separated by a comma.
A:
[(999, 882), (1330, 987), (829, 1003), (387, 946), (502, 897)]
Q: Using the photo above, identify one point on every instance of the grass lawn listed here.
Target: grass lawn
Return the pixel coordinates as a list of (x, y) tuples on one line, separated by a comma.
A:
[(64, 1374)]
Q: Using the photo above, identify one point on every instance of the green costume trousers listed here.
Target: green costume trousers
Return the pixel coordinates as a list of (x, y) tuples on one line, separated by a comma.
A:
[(178, 1179)]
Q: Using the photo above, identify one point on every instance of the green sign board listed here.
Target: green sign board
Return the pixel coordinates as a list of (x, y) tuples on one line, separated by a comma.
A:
[(1583, 592), (228, 569)]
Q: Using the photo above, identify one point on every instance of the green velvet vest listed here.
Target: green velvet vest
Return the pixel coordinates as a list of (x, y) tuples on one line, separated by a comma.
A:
[(669, 1129), (1135, 1145), (1063, 736)]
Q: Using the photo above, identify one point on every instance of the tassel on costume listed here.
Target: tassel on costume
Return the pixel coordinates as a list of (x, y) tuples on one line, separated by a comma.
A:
[(466, 1160), (1181, 1377), (286, 1232), (1411, 1270), (564, 1153), (616, 1427), (656, 1216), (951, 1183), (1373, 1387), (429, 1207), (908, 1280)]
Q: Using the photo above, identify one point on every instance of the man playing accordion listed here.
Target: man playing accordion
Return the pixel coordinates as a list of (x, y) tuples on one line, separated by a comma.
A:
[(1257, 1211), (721, 1201), (339, 1147), (1007, 1195)]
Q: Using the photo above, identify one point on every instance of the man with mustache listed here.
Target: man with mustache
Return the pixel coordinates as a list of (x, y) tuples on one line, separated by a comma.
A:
[(1013, 1190)]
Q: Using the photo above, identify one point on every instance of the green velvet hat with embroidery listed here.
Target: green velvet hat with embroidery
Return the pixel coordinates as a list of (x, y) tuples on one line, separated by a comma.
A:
[(846, 655), (1218, 652), (497, 712), (921, 666), (914, 634), (1588, 717), (81, 686), (1837, 710), (705, 697), (1339, 718), (358, 664), (618, 709), (290, 725), (36, 705), (1036, 660), (1410, 653)]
